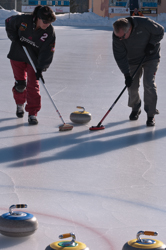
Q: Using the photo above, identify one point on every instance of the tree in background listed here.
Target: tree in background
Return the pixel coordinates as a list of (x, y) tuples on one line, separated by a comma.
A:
[(10, 4), (80, 6), (73, 6)]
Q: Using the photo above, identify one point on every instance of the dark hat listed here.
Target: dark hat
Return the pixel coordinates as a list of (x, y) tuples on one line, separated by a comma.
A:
[(46, 13)]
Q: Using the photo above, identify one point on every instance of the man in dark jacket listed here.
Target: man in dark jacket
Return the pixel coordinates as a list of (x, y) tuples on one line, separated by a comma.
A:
[(132, 4), (36, 33), (133, 39)]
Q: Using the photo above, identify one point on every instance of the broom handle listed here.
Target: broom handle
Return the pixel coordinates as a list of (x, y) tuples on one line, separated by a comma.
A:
[(135, 72), (33, 66)]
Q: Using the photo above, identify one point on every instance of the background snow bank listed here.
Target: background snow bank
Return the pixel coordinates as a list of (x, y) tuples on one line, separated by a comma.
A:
[(78, 19)]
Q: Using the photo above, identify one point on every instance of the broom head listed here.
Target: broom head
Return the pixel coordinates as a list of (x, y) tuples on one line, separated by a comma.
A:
[(65, 127)]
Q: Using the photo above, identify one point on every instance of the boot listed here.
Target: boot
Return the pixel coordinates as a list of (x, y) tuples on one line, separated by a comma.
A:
[(32, 120), (150, 121), (134, 115), (20, 110)]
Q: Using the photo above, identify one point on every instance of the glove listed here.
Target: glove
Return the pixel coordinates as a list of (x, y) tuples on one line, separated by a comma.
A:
[(128, 80), (39, 75), (149, 49)]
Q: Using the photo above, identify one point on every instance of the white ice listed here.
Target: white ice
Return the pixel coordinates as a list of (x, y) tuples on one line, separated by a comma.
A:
[(104, 186)]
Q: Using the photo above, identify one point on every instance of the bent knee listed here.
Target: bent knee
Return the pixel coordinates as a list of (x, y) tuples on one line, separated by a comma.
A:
[(20, 86)]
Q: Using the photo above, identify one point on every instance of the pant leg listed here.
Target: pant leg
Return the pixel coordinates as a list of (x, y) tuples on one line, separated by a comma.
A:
[(134, 100), (33, 93), (19, 71), (150, 88)]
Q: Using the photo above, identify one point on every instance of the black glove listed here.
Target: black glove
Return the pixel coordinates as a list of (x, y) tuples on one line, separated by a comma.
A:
[(39, 75), (128, 80), (149, 49)]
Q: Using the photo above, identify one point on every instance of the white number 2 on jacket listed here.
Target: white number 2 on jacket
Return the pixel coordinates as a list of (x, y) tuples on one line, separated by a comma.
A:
[(44, 36)]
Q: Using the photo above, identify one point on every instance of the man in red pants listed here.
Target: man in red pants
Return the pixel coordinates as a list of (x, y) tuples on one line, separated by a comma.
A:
[(37, 34)]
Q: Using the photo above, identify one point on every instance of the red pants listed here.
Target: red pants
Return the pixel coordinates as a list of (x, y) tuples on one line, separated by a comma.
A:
[(31, 94)]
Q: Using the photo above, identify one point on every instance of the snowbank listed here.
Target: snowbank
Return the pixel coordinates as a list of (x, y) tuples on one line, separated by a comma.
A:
[(78, 19)]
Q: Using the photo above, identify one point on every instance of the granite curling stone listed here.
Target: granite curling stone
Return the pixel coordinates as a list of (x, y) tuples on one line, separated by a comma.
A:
[(18, 223), (67, 245), (80, 117), (144, 243)]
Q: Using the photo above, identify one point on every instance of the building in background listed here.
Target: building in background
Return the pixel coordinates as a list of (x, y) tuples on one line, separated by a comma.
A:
[(105, 8), (62, 6), (111, 8)]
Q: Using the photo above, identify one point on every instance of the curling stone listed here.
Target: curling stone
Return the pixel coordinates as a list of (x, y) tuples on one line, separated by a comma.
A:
[(80, 117), (68, 245), (145, 243), (17, 224)]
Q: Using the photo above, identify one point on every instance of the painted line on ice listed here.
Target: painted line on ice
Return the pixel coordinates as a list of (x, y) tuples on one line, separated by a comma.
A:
[(102, 237)]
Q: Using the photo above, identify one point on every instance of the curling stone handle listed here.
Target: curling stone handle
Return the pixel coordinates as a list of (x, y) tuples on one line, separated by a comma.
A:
[(16, 206), (63, 236), (79, 107), (150, 233)]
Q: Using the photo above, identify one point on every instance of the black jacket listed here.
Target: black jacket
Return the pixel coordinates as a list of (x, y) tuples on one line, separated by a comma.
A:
[(39, 43), (131, 50)]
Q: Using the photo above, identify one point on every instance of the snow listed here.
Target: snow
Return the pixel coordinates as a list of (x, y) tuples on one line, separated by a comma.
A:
[(78, 19), (104, 186)]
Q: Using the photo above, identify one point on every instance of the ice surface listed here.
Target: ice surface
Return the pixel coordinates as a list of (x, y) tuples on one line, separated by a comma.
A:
[(104, 186)]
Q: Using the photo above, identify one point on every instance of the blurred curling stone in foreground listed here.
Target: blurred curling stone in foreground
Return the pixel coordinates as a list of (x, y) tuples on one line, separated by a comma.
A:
[(144, 243), (67, 245), (18, 223)]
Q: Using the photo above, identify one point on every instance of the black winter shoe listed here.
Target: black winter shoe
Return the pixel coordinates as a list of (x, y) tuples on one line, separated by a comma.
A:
[(32, 120), (150, 122), (20, 110), (134, 115)]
